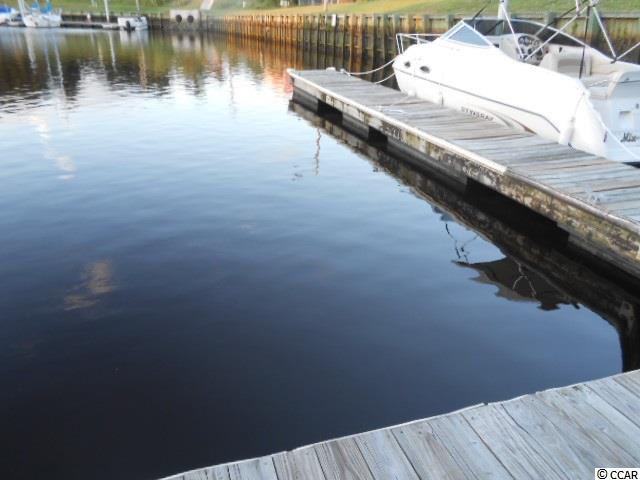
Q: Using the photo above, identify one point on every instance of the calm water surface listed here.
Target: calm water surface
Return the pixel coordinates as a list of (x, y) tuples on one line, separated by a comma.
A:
[(194, 272)]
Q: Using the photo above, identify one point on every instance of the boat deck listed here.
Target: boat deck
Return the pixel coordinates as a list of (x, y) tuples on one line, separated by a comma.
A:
[(595, 200), (557, 434)]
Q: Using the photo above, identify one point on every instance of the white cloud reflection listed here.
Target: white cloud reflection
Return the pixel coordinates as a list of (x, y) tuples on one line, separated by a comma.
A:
[(97, 281)]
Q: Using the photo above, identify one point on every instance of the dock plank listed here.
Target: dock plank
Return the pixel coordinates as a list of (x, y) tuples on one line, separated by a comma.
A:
[(561, 438), (211, 473), (471, 453), (559, 178), (575, 160), (298, 464), (342, 460), (384, 456), (619, 397), (599, 420), (517, 451), (608, 185), (256, 469), (427, 453), (630, 381)]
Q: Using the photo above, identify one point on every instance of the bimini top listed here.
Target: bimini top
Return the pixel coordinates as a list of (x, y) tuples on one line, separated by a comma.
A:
[(487, 32), (528, 39)]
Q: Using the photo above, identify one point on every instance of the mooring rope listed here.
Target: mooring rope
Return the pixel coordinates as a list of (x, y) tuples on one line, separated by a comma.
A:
[(370, 71), (386, 78), (381, 67)]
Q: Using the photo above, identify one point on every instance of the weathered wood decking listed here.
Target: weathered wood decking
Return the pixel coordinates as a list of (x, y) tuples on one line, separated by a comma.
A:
[(556, 434), (597, 201)]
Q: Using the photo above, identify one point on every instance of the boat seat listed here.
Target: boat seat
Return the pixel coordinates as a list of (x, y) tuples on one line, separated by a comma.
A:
[(620, 84), (566, 60), (598, 85)]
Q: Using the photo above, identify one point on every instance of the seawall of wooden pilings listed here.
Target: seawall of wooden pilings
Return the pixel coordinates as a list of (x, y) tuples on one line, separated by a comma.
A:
[(367, 34), (375, 33)]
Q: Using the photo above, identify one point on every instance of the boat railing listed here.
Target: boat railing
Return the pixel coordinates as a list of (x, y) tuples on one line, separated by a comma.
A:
[(413, 38)]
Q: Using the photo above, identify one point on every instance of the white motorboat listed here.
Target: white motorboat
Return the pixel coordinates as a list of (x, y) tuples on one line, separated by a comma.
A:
[(36, 17), (532, 77), (136, 22), (8, 14)]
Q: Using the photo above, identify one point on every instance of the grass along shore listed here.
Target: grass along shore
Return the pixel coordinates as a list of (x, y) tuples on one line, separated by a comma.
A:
[(423, 7), (403, 7)]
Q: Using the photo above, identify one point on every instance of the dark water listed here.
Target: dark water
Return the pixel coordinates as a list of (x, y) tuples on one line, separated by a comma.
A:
[(193, 271)]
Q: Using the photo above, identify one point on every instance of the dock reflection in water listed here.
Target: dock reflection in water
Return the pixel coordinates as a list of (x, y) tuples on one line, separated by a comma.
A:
[(539, 266), (192, 273)]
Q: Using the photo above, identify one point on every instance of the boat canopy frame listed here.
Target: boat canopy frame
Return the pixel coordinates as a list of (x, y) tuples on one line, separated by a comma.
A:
[(582, 7), (414, 37)]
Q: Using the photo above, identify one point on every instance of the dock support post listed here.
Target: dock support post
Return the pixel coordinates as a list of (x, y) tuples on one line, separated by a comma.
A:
[(371, 35), (317, 29), (550, 18), (395, 30), (595, 33), (426, 21), (451, 21), (377, 27), (361, 33)]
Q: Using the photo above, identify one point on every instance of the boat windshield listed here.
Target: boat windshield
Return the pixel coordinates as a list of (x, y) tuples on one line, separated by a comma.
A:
[(464, 33), (496, 27)]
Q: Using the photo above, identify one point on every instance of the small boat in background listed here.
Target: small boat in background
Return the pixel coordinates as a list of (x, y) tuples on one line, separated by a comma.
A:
[(135, 22), (37, 17), (8, 14)]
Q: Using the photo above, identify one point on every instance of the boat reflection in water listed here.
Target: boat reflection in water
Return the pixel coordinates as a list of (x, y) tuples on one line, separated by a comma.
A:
[(540, 264), (519, 283)]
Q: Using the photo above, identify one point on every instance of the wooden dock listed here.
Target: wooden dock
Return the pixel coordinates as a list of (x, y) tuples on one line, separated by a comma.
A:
[(596, 201), (89, 24), (557, 434)]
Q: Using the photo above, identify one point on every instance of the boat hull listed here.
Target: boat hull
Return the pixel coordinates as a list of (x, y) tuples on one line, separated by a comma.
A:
[(8, 17), (525, 97), (42, 21), (133, 23)]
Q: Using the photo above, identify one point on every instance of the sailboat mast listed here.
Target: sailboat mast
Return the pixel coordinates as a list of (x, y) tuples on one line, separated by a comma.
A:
[(503, 10), (21, 7)]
